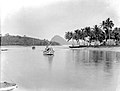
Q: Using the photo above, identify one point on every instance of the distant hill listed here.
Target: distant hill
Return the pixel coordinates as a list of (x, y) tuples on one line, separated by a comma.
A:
[(60, 40), (24, 41)]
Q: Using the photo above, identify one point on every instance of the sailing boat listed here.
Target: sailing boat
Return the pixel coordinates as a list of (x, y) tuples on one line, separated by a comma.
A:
[(5, 86), (48, 51)]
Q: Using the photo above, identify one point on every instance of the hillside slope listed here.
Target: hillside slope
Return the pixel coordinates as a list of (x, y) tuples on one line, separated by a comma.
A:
[(23, 41), (60, 40)]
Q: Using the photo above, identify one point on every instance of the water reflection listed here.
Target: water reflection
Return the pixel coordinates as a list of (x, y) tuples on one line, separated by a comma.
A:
[(50, 60), (95, 57), (77, 69)]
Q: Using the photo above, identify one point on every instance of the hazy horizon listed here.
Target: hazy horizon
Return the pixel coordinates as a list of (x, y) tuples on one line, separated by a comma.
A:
[(46, 18)]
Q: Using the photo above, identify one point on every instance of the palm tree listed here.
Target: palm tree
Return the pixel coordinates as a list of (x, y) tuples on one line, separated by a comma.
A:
[(77, 35), (82, 35), (107, 27), (116, 34), (87, 31), (92, 36), (98, 33), (68, 36)]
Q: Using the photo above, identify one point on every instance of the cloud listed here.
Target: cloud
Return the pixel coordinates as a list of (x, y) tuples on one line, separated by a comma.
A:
[(45, 22)]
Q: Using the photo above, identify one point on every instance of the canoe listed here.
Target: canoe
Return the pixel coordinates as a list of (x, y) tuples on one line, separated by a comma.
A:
[(78, 46), (5, 86), (81, 46)]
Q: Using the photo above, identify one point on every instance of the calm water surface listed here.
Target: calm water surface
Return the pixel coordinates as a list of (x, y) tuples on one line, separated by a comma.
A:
[(67, 70)]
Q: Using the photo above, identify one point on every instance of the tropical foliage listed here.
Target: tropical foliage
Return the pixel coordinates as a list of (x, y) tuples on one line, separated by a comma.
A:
[(101, 33)]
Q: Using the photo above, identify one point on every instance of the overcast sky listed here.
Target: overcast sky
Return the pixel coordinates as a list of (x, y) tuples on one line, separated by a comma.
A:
[(46, 18)]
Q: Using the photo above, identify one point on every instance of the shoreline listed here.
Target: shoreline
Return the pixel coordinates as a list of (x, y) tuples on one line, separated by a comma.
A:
[(103, 48), (27, 45), (92, 46)]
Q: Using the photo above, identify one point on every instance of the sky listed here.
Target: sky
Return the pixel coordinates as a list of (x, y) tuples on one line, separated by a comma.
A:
[(44, 19)]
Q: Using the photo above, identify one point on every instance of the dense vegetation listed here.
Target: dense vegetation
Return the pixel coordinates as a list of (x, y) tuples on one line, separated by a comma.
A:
[(24, 41), (102, 33)]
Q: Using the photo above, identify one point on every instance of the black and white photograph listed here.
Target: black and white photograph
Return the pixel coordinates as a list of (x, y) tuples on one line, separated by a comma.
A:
[(60, 45)]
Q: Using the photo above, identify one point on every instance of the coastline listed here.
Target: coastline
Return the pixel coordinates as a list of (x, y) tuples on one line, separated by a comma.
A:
[(102, 48), (94, 46)]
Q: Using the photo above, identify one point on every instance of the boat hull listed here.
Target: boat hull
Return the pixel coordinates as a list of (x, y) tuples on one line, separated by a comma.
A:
[(81, 46), (48, 53), (7, 86)]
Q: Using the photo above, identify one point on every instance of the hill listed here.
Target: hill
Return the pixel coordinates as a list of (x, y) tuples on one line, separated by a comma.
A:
[(23, 41), (60, 40)]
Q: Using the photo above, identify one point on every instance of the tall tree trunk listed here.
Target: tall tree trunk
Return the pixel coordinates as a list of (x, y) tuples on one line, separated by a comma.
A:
[(109, 34), (105, 37), (72, 42), (78, 42)]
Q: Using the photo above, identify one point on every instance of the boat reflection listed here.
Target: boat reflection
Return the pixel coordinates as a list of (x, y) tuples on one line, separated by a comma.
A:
[(49, 58)]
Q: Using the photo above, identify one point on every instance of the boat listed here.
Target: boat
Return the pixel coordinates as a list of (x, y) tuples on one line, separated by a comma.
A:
[(33, 47), (4, 49), (5, 86), (77, 46), (48, 51), (81, 46)]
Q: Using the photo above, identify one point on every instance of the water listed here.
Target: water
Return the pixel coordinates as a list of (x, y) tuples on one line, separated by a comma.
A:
[(68, 70)]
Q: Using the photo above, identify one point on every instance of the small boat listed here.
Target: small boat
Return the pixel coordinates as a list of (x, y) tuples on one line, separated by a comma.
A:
[(81, 46), (33, 47), (5, 86), (4, 49), (48, 51)]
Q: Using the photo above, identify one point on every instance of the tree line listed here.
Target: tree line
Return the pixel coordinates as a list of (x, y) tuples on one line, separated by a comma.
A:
[(24, 41), (99, 33)]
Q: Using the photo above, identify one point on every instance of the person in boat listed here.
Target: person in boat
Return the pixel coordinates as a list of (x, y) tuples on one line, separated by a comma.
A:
[(48, 48)]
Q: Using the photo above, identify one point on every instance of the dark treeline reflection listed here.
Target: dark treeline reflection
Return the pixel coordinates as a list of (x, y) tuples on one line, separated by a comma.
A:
[(95, 57), (49, 58)]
